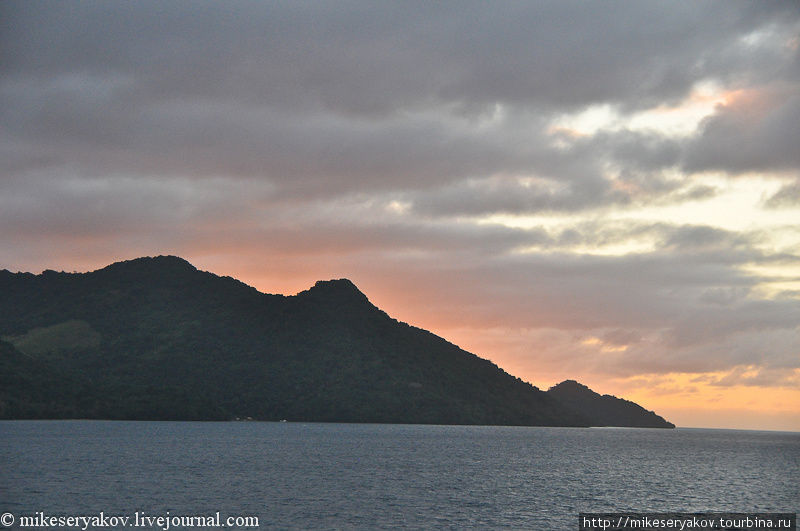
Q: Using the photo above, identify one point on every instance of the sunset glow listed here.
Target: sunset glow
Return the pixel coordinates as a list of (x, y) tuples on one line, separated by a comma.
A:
[(579, 199)]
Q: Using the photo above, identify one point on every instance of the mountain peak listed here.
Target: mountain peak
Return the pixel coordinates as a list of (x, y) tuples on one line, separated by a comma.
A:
[(156, 267), (605, 410), (571, 386), (337, 283), (169, 262), (337, 289), (326, 354)]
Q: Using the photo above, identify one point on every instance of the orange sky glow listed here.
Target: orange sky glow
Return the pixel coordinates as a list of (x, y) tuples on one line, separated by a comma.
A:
[(552, 189)]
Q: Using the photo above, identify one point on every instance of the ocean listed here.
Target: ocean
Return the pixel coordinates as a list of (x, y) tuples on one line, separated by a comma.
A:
[(378, 476)]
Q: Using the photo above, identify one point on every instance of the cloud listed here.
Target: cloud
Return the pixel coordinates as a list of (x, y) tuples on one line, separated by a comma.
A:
[(363, 95), (363, 58), (787, 197), (565, 187), (758, 377), (499, 194), (754, 132)]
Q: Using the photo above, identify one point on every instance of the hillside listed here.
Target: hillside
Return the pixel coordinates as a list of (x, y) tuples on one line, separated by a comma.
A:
[(605, 410), (154, 338)]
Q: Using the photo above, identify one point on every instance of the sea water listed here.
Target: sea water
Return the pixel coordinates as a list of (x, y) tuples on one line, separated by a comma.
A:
[(369, 476)]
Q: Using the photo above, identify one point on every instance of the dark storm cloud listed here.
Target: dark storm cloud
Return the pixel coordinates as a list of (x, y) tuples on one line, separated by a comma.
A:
[(499, 195), (756, 132), (364, 57), (342, 95), (568, 179), (357, 136)]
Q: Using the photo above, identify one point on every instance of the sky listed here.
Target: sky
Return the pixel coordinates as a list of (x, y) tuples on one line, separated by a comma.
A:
[(601, 191)]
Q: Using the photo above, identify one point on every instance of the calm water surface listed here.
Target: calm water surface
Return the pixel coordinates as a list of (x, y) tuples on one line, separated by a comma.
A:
[(343, 476)]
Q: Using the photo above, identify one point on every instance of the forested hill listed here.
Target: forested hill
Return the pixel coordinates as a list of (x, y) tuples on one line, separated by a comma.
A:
[(605, 410), (154, 338)]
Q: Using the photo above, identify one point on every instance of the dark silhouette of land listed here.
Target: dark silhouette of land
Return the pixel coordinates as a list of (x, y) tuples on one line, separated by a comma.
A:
[(154, 338), (605, 410)]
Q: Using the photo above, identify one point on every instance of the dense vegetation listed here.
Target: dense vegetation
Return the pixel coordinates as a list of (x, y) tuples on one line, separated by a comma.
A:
[(154, 338), (605, 410)]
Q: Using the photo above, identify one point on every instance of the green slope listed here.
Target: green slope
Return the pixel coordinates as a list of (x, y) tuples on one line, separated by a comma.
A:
[(154, 338)]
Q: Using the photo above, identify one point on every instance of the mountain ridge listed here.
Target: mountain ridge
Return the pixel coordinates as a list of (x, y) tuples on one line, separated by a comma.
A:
[(156, 338), (606, 410)]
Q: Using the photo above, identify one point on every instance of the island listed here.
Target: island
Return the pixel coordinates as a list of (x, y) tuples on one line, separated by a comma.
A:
[(155, 338)]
